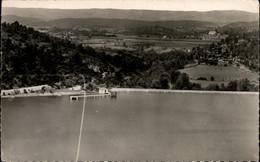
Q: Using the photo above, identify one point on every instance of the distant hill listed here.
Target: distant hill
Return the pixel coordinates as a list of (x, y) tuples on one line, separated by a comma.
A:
[(91, 22), (121, 23), (22, 20), (248, 25), (226, 16)]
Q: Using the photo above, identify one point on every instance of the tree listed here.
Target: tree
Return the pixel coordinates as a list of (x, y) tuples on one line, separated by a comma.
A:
[(214, 87), (164, 81), (232, 86), (174, 76), (212, 78), (244, 85), (183, 82), (77, 59), (222, 87), (196, 86), (155, 84), (141, 82)]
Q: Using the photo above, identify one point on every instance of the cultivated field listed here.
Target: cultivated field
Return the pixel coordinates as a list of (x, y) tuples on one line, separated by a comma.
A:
[(221, 74), (153, 43)]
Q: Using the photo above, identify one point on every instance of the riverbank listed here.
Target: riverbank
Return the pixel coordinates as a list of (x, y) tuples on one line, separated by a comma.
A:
[(81, 92), (58, 93), (180, 91)]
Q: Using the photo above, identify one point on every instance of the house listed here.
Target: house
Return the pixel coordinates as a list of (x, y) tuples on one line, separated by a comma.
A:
[(103, 91), (76, 88), (25, 90), (32, 89), (7, 92), (212, 32)]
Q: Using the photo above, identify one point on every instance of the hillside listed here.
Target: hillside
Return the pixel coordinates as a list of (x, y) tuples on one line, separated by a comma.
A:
[(122, 23), (22, 20), (34, 58), (254, 25), (113, 23), (225, 16), (91, 22)]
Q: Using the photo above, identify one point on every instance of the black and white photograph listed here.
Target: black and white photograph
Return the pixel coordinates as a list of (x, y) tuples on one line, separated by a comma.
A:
[(129, 80)]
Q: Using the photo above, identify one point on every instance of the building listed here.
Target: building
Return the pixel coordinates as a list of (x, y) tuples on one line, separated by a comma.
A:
[(33, 89), (212, 32), (76, 88), (103, 91), (25, 90), (7, 92)]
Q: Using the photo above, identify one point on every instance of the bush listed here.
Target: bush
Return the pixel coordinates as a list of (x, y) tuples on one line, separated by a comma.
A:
[(183, 82), (213, 87), (232, 86)]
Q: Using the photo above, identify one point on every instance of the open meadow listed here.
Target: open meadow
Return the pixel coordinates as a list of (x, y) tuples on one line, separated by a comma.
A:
[(152, 43), (220, 73)]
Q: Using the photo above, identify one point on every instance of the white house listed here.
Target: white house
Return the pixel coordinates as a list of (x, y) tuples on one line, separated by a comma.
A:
[(212, 32), (103, 91), (7, 92), (32, 89), (76, 88), (24, 90)]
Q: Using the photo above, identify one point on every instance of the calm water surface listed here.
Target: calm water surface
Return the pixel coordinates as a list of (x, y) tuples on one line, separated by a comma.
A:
[(134, 126)]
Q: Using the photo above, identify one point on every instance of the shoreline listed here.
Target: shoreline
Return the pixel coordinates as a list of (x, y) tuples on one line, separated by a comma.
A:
[(182, 91), (81, 92), (62, 93)]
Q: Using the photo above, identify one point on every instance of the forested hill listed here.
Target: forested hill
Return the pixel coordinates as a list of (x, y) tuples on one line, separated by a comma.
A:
[(254, 25), (120, 23), (32, 58), (147, 15)]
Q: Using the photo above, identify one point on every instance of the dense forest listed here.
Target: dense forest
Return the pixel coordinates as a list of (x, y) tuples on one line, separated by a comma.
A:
[(33, 58), (174, 33)]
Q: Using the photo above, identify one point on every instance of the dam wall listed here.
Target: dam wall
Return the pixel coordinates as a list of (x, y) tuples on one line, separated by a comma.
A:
[(181, 91)]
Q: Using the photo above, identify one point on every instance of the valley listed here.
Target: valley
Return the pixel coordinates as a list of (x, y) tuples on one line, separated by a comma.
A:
[(132, 52)]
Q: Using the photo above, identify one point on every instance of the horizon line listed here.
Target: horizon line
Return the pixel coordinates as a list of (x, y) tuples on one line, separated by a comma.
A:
[(127, 9)]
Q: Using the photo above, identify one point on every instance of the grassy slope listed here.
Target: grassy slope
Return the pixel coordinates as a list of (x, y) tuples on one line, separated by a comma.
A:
[(220, 73)]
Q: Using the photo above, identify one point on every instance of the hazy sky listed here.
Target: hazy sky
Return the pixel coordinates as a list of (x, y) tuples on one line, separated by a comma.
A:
[(180, 5)]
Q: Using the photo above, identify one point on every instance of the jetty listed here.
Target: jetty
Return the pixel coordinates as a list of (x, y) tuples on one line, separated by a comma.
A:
[(110, 94), (89, 96)]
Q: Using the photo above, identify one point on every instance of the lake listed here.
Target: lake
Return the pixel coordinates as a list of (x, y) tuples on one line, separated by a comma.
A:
[(134, 126)]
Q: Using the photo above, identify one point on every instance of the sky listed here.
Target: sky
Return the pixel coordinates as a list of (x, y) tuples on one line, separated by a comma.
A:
[(174, 5)]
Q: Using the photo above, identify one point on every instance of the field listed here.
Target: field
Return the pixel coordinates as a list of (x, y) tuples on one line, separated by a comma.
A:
[(151, 43), (221, 74)]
